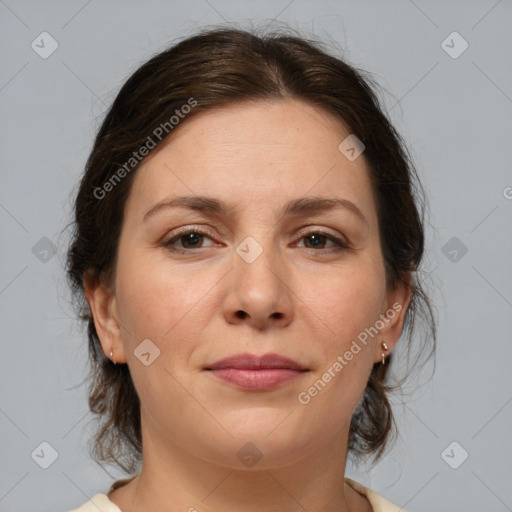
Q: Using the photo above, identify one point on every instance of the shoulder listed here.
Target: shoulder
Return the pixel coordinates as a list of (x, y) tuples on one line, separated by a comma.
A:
[(98, 503), (378, 503)]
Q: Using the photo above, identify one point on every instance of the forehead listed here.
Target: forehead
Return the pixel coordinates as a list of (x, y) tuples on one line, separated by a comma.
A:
[(266, 152)]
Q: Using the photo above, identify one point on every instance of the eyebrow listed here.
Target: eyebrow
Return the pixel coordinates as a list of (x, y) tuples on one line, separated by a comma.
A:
[(296, 207)]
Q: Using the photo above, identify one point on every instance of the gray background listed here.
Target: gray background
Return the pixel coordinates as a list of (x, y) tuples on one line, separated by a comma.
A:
[(455, 113)]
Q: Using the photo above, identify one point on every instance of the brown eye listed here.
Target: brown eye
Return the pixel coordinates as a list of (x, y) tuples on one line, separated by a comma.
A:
[(191, 240), (318, 239), (186, 241)]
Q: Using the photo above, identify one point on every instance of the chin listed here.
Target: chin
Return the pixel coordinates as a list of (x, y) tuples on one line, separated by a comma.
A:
[(263, 444)]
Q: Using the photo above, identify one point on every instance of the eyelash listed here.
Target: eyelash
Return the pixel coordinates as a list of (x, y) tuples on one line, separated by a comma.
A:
[(168, 244)]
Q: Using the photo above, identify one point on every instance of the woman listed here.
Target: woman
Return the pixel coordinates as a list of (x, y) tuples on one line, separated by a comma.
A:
[(245, 253)]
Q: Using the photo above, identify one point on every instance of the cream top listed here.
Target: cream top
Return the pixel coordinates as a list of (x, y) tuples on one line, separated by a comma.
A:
[(100, 502)]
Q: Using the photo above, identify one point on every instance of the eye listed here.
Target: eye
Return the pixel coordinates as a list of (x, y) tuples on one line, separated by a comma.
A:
[(318, 238), (189, 239)]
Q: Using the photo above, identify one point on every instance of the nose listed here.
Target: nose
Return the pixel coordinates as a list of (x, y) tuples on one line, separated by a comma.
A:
[(260, 291)]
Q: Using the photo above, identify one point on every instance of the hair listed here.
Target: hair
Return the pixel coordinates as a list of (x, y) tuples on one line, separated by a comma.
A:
[(218, 67)]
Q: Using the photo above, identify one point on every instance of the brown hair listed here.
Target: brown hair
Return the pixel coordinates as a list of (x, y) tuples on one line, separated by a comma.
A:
[(218, 67)]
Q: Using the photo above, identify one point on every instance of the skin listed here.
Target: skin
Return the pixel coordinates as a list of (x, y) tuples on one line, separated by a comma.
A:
[(305, 301)]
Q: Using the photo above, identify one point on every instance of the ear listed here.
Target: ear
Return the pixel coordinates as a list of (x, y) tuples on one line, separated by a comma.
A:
[(103, 303), (393, 316)]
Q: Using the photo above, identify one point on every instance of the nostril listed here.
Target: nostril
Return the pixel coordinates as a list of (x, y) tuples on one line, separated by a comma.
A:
[(241, 314)]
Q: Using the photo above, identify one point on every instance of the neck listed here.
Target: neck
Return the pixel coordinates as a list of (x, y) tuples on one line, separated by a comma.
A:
[(174, 479)]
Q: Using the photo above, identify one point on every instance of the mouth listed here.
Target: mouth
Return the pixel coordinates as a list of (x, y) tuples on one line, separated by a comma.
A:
[(256, 373), (255, 362)]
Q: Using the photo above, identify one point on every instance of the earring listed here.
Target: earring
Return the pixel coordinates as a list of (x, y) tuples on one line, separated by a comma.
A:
[(110, 356), (385, 347)]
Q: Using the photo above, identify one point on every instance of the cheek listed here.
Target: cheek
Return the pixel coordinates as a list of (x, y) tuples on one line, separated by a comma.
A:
[(170, 306), (350, 302), (346, 362), (152, 296)]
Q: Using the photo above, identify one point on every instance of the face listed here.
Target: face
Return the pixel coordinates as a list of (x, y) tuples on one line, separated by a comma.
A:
[(243, 274)]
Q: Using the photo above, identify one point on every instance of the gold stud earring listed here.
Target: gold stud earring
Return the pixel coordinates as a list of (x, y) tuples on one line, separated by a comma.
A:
[(385, 347)]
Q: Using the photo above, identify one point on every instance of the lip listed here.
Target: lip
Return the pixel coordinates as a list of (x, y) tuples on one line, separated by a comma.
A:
[(255, 362), (256, 373)]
